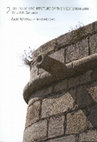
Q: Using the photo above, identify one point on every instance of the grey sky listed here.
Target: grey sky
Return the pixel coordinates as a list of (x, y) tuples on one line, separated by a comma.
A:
[(15, 37)]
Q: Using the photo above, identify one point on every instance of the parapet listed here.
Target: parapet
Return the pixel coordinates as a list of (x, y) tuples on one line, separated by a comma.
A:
[(65, 56)]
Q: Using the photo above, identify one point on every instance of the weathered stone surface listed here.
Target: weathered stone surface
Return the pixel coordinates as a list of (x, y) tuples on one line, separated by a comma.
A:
[(81, 32), (56, 126), (64, 40), (87, 29), (32, 100), (79, 80), (62, 85), (83, 98), (95, 26), (90, 136), (74, 36), (57, 104), (76, 122), (64, 139), (58, 55), (93, 91), (48, 47), (33, 72), (43, 92), (37, 131), (92, 117), (33, 113), (94, 74), (74, 81), (77, 51), (93, 44), (85, 78)]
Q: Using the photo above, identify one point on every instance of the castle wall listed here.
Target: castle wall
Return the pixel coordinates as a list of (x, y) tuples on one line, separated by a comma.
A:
[(64, 109)]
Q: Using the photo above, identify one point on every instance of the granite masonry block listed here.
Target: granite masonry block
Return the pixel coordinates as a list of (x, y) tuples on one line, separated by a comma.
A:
[(76, 122), (93, 91), (43, 92), (33, 113), (58, 104), (64, 40), (81, 33), (80, 79), (77, 51), (88, 29), (95, 26), (32, 100), (90, 136), (92, 117), (33, 72), (56, 126), (83, 98), (94, 75), (58, 55), (93, 44), (62, 85), (64, 139), (36, 132)]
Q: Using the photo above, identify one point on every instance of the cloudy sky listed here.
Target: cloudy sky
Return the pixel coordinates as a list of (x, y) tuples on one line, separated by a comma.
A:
[(17, 36)]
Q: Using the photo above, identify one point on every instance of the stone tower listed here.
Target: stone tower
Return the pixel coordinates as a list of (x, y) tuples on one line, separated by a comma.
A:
[(62, 91)]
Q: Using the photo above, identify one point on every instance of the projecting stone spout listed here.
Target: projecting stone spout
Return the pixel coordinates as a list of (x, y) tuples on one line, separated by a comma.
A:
[(51, 65), (59, 69)]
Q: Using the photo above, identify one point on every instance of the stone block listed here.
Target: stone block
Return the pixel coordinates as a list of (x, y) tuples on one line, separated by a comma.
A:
[(33, 72), (32, 100), (43, 92), (77, 51), (93, 91), (64, 40), (58, 55), (33, 113), (93, 44), (88, 29), (37, 131), (90, 136), (81, 33), (64, 139), (57, 104), (85, 78), (83, 98), (94, 74), (62, 85), (76, 122), (95, 26), (56, 126), (74, 81), (79, 80), (92, 117)]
